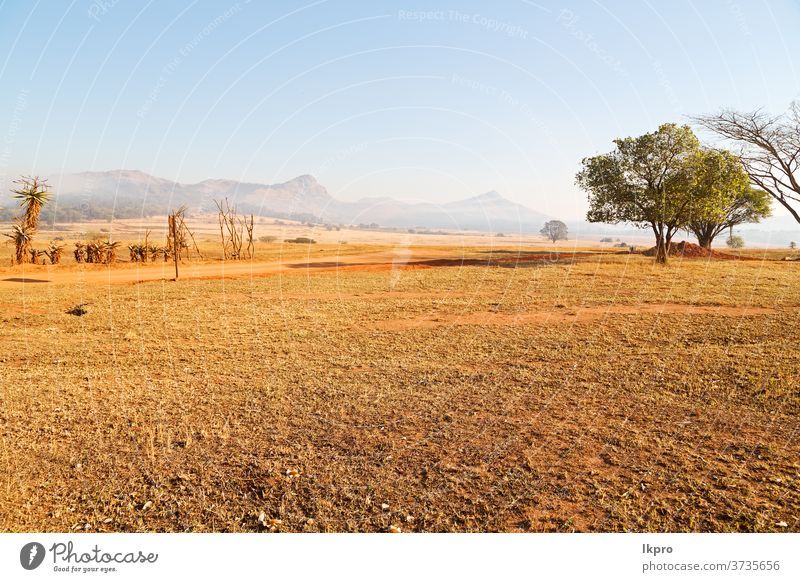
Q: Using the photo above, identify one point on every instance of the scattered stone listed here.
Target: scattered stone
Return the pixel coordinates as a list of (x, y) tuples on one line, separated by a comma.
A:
[(78, 310)]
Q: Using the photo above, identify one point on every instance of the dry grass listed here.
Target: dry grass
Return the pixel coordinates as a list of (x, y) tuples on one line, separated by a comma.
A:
[(204, 405)]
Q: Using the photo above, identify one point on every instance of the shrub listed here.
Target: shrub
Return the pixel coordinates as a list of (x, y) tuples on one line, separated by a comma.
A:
[(735, 242)]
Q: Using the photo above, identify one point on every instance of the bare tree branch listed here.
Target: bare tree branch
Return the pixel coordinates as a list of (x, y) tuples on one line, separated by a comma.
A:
[(769, 147)]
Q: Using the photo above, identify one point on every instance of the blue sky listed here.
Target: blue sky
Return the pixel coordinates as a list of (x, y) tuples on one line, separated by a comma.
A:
[(423, 100)]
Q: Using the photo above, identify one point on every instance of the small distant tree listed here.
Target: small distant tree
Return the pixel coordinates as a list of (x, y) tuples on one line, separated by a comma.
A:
[(735, 242), (555, 230), (645, 181), (267, 239), (793, 245)]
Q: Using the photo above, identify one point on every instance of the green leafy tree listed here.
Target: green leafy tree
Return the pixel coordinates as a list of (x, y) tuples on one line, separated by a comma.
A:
[(723, 197), (555, 230), (646, 181), (735, 241)]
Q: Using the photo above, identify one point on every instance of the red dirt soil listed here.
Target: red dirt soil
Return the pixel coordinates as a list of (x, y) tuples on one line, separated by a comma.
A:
[(689, 250), (127, 273), (579, 315)]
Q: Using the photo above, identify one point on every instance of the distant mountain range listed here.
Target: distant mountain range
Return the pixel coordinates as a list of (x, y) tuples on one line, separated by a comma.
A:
[(133, 194)]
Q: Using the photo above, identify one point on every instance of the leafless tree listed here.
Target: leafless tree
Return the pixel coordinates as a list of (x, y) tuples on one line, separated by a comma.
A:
[(234, 231), (248, 227), (769, 147), (184, 232), (231, 240), (179, 235)]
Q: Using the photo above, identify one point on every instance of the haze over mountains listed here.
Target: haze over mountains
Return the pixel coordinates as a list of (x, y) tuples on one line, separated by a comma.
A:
[(131, 194)]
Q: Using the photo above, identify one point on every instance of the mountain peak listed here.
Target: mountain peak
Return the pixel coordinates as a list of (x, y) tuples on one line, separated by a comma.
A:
[(128, 193), (304, 180), (491, 196)]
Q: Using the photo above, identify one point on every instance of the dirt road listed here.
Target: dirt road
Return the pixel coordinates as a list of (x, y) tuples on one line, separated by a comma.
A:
[(125, 273)]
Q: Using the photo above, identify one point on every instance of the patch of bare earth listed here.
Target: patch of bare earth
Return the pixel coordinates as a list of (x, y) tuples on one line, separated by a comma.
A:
[(600, 394), (554, 316)]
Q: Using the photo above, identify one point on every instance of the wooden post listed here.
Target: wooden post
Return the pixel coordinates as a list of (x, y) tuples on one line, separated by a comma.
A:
[(173, 234)]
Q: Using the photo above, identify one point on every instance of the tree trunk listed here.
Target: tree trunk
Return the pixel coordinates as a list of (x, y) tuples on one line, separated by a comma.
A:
[(22, 253), (705, 241), (661, 250)]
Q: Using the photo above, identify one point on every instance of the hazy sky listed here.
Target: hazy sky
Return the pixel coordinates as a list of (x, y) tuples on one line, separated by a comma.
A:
[(420, 100)]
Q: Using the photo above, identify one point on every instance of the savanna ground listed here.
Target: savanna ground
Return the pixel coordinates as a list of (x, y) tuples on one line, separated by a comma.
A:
[(349, 387)]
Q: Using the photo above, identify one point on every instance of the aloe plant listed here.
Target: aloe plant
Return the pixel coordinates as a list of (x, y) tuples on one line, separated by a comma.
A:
[(22, 237), (32, 193)]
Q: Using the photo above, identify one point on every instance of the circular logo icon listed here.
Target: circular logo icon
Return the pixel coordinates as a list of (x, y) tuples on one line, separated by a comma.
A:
[(31, 555)]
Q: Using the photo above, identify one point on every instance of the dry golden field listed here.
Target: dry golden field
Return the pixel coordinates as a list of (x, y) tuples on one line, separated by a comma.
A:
[(357, 387)]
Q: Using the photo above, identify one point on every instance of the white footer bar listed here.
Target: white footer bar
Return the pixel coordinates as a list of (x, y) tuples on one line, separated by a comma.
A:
[(387, 557)]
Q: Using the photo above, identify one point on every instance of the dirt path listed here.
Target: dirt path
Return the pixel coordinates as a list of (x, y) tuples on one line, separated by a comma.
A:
[(131, 274), (123, 273), (553, 316)]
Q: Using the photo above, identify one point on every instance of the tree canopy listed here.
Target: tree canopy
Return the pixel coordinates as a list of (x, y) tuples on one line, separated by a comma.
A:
[(646, 181), (769, 148), (723, 196), (555, 230)]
